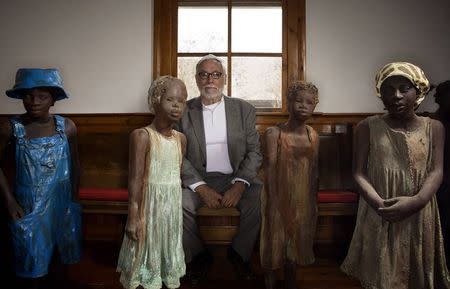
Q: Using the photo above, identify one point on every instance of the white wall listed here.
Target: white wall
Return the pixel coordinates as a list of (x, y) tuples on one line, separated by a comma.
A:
[(348, 41), (102, 47)]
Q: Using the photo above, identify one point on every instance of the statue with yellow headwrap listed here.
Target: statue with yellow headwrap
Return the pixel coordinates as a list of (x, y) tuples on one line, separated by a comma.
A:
[(398, 161)]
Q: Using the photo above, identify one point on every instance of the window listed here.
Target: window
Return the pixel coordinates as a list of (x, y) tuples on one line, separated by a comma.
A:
[(250, 48), (261, 44)]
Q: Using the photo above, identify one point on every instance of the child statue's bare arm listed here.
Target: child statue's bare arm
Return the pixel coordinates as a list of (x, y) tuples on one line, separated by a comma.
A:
[(270, 149), (138, 150), (71, 132), (14, 210), (360, 155)]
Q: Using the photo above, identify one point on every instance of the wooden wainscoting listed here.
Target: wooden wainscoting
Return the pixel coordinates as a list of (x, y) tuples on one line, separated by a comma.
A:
[(103, 140)]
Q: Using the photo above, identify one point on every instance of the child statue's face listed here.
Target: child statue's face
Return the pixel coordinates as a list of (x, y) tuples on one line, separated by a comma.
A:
[(37, 102), (173, 102), (302, 105), (398, 95)]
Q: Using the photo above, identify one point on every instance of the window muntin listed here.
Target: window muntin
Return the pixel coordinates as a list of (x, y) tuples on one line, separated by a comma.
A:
[(253, 44)]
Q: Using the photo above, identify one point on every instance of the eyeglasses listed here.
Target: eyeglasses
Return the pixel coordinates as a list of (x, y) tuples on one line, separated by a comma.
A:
[(205, 75)]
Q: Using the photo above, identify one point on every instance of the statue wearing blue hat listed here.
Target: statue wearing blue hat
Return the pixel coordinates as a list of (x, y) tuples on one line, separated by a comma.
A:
[(41, 207)]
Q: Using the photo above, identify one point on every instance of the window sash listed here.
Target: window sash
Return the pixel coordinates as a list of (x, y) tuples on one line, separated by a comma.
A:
[(232, 2)]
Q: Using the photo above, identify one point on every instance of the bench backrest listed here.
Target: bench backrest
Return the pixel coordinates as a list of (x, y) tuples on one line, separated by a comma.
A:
[(335, 154), (103, 146)]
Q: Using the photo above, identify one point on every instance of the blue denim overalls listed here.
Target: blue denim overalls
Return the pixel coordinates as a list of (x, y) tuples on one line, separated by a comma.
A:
[(43, 189)]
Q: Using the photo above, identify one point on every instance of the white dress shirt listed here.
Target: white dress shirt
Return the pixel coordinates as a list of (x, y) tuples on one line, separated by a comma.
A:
[(215, 127)]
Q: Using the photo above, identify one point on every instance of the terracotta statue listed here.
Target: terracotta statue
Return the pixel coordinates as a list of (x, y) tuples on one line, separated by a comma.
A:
[(289, 206), (152, 248), (40, 205), (397, 242)]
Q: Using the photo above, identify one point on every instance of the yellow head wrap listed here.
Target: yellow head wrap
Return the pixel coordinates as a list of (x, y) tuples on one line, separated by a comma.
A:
[(408, 70)]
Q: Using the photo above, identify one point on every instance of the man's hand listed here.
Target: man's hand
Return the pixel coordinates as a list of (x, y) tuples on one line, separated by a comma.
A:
[(210, 197), (232, 197)]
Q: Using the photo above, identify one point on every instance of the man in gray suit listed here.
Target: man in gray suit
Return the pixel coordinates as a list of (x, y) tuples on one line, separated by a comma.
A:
[(220, 168)]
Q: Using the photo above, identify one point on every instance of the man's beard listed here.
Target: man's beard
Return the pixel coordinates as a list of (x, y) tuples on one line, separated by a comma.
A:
[(213, 95)]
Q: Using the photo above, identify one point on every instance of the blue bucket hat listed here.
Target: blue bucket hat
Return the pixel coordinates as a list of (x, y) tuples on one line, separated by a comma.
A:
[(28, 78)]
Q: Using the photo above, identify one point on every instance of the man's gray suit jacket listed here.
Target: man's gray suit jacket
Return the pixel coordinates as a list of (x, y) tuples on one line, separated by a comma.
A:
[(243, 141)]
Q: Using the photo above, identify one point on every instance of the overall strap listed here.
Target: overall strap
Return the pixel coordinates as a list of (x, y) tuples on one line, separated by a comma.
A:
[(59, 124), (18, 128), (19, 135)]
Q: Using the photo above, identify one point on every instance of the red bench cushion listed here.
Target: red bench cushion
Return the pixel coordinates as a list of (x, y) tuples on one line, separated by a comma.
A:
[(326, 196), (103, 194), (109, 194)]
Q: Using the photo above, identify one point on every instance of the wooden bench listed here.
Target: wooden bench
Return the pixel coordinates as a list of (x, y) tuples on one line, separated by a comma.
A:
[(103, 147), (337, 203), (218, 226), (104, 218)]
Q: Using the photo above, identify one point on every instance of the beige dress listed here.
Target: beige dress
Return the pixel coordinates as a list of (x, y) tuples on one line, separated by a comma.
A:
[(289, 216), (158, 256), (409, 253)]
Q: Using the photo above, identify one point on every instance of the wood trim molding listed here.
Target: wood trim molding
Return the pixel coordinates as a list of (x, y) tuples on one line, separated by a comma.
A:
[(116, 121), (165, 14), (294, 32)]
